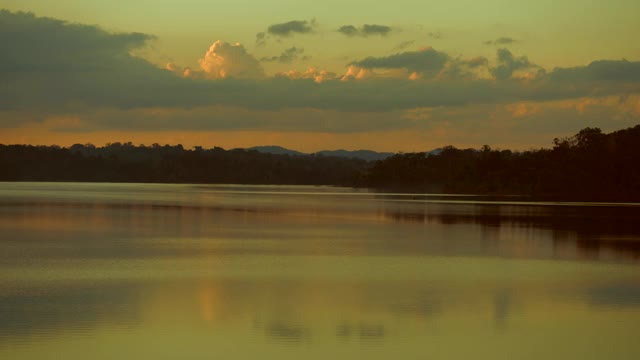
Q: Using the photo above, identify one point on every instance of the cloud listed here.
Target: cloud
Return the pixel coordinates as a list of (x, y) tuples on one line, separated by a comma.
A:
[(46, 62), (221, 118), (311, 73), (501, 41), (348, 30), (513, 125), (365, 30), (86, 67), (225, 60), (435, 35), (180, 71), (261, 38), (287, 56), (381, 30), (356, 73), (464, 69), (32, 44), (478, 61), (508, 64), (403, 45), (292, 27), (286, 29), (621, 71), (427, 61)]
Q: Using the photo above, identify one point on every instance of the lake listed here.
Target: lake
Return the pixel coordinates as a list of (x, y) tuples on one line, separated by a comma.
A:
[(164, 271)]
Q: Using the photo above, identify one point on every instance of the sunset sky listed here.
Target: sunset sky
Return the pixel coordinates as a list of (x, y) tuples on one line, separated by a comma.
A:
[(312, 75)]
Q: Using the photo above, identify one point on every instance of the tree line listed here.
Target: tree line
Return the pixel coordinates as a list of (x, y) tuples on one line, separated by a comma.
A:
[(126, 162), (590, 165)]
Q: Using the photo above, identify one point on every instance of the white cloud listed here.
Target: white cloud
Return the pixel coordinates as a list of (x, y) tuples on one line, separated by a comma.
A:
[(225, 60)]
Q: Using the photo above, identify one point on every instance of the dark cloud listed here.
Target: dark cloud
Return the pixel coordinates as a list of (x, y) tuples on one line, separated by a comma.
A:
[(507, 64), (463, 69), (291, 27), (375, 30), (403, 45), (501, 41), (365, 30), (32, 44), (435, 35), (478, 61), (620, 71), (52, 66), (288, 55), (46, 62), (261, 38), (427, 61), (348, 30)]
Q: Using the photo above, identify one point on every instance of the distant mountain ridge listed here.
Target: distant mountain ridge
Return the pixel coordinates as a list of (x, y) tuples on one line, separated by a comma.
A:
[(368, 155), (274, 149)]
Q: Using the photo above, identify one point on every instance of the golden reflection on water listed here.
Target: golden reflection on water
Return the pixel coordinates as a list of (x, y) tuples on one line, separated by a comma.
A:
[(507, 308), (127, 272)]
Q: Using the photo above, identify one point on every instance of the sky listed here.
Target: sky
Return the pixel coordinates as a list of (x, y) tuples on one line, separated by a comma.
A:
[(309, 75)]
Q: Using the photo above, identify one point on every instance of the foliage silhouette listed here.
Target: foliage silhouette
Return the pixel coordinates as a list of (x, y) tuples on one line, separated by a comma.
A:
[(125, 162), (590, 165)]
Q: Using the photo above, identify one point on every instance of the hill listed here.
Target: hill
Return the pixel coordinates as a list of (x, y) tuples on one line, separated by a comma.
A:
[(368, 155)]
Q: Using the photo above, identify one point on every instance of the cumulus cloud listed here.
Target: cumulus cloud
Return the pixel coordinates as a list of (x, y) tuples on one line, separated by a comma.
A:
[(427, 61), (88, 67), (292, 27), (365, 30), (501, 41), (356, 73), (180, 71), (287, 56), (225, 60)]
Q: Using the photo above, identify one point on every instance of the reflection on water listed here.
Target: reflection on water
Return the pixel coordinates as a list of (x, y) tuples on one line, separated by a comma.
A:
[(42, 312), (166, 271), (287, 332)]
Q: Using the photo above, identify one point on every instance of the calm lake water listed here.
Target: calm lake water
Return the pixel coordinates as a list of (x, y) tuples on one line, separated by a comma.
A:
[(146, 271)]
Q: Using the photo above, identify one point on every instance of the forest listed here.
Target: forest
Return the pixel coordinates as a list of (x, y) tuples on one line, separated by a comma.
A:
[(125, 162), (590, 165)]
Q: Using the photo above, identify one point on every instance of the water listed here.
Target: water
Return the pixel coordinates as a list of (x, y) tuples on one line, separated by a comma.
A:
[(138, 271)]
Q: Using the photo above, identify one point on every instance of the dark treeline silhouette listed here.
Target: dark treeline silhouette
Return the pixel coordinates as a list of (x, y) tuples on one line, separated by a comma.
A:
[(125, 162), (590, 165)]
